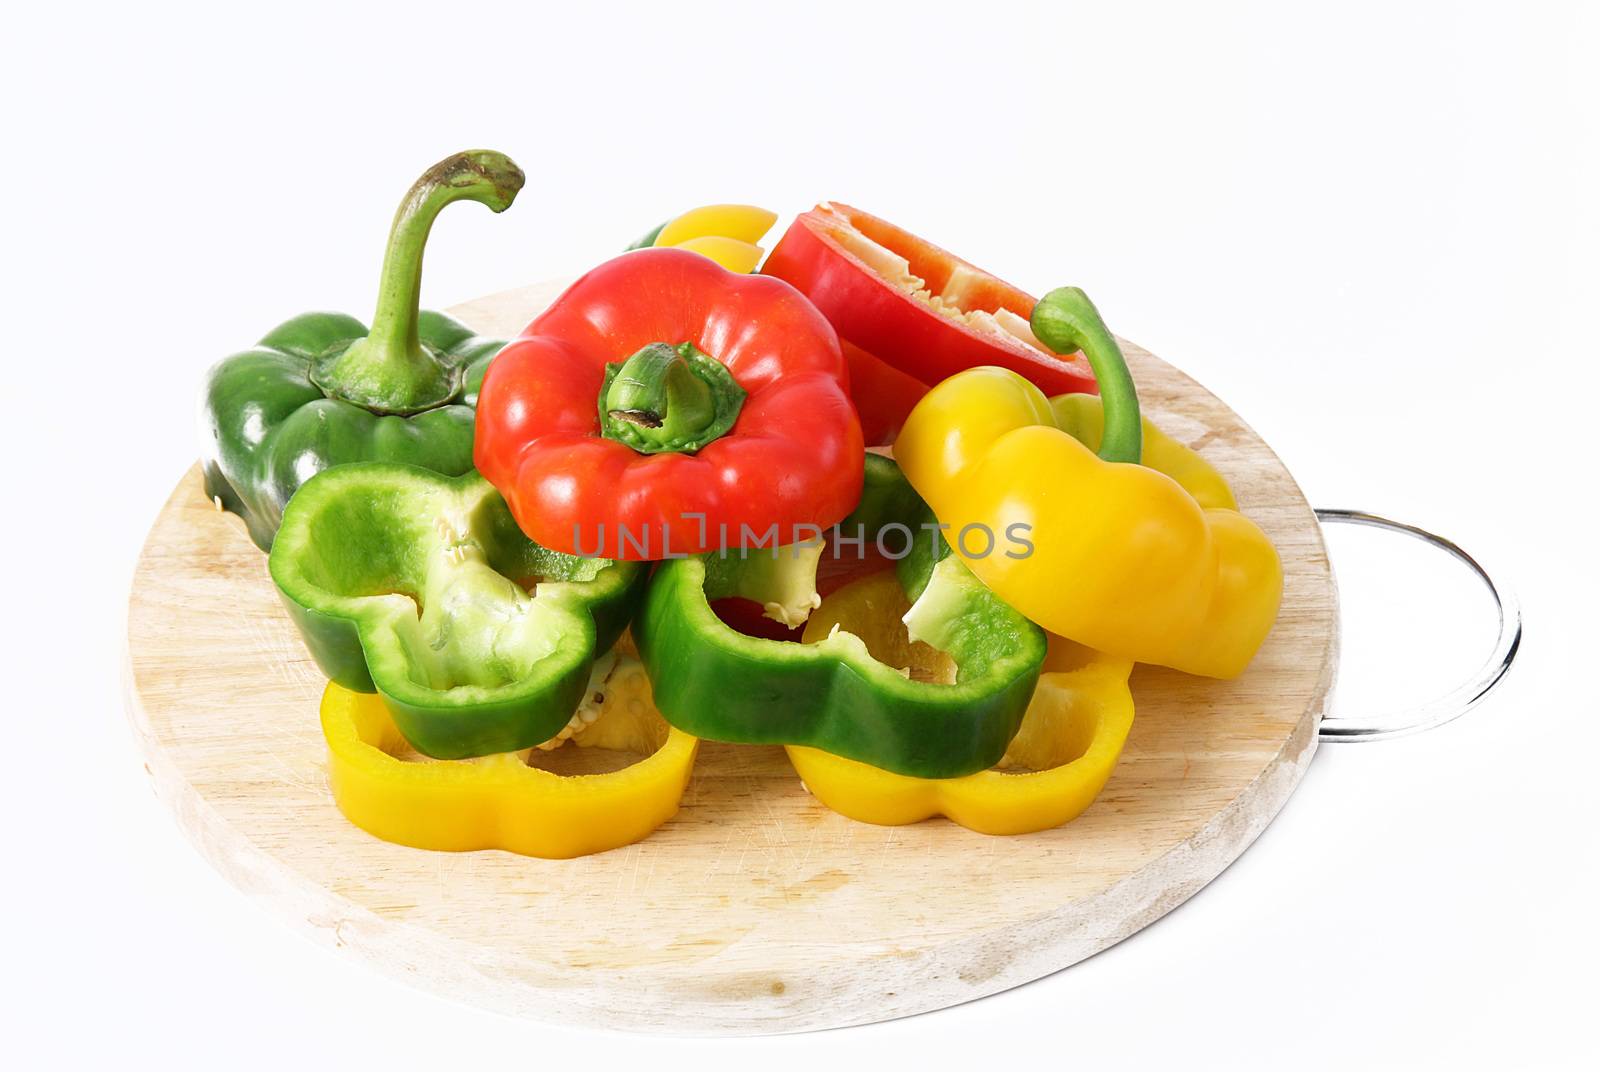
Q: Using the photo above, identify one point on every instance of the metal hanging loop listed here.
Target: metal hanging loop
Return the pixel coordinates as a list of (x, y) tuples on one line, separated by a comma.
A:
[(1458, 701)]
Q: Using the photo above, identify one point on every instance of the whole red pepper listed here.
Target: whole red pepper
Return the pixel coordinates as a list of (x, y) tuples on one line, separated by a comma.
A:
[(664, 406)]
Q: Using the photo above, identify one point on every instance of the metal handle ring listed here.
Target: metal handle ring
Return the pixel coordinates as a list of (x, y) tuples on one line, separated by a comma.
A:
[(1458, 701)]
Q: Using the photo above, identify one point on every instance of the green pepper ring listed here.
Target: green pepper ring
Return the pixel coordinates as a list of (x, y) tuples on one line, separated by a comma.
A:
[(413, 585), (712, 681)]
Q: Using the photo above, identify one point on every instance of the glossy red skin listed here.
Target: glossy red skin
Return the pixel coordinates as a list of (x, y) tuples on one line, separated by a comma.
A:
[(890, 324), (883, 395), (793, 457)]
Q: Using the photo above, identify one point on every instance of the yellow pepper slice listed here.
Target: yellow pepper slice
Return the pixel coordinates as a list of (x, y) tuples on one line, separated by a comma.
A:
[(1061, 758), (746, 223), (500, 801), (731, 253), (725, 233), (1123, 558)]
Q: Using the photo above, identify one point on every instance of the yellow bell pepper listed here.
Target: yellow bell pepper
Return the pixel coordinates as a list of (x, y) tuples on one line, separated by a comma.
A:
[(726, 233), (1120, 557), (501, 801), (1058, 762), (1084, 418)]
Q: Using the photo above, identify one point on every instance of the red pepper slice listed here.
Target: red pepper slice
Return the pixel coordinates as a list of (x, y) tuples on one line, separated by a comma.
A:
[(883, 395), (792, 459), (915, 306)]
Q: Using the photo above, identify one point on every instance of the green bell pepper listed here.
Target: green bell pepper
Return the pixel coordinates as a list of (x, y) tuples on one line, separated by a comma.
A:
[(321, 390), (712, 681), (421, 587)]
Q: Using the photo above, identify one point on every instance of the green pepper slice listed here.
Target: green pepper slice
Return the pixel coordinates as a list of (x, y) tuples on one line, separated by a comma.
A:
[(421, 587), (714, 682)]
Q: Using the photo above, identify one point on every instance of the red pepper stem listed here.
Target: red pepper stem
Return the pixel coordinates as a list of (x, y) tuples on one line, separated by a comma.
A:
[(656, 390), (668, 398), (1066, 321), (391, 371)]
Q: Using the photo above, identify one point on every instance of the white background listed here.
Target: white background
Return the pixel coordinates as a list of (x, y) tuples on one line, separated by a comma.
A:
[(1372, 229)]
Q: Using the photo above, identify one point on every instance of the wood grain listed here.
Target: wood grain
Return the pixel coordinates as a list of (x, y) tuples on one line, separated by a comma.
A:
[(756, 909)]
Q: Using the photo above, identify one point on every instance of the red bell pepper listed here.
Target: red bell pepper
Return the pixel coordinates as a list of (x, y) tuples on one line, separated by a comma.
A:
[(916, 307), (665, 406)]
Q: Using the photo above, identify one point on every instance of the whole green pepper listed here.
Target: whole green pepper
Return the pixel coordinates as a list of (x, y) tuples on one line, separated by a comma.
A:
[(321, 390)]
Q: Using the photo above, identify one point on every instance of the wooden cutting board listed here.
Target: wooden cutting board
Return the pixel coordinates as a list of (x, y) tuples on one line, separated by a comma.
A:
[(755, 909)]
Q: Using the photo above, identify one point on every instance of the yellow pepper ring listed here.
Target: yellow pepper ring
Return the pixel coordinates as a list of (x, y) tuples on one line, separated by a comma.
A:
[(1069, 743), (499, 801), (734, 255), (726, 233), (744, 223)]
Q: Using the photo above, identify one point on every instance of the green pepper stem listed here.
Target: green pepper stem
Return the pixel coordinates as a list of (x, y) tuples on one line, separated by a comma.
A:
[(668, 398), (1066, 321), (390, 371)]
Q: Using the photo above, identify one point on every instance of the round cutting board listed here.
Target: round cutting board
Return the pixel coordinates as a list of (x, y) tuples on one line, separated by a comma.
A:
[(755, 909)]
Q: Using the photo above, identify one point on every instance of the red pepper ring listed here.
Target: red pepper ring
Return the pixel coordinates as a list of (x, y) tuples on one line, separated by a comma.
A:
[(792, 459)]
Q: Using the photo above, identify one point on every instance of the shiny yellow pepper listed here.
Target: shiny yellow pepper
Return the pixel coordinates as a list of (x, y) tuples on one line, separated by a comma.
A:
[(1060, 759), (1123, 558), (1083, 417), (500, 801)]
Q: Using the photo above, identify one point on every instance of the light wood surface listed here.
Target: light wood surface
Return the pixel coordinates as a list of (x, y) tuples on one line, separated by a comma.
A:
[(755, 909)]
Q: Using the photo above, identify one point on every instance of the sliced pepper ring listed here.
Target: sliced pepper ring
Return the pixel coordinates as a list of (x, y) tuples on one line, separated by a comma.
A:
[(715, 682), (725, 233), (501, 801), (417, 586), (1059, 761)]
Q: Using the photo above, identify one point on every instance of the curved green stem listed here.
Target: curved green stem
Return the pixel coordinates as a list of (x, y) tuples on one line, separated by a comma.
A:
[(1067, 321), (668, 398), (391, 371), (656, 390)]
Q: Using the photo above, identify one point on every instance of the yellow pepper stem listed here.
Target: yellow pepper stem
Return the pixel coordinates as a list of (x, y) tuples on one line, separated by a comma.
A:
[(1067, 321)]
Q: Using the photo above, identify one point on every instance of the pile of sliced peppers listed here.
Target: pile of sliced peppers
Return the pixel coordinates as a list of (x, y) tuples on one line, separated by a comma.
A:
[(674, 533)]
